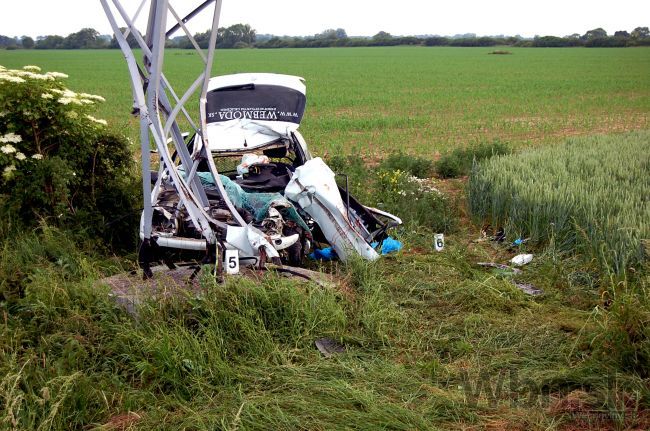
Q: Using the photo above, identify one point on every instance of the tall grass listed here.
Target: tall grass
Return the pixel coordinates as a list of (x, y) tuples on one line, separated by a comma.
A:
[(591, 195)]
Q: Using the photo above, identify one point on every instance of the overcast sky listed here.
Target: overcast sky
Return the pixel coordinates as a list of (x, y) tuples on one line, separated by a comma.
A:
[(357, 17)]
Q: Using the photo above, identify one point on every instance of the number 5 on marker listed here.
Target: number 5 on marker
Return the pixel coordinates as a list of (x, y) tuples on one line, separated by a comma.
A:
[(232, 261)]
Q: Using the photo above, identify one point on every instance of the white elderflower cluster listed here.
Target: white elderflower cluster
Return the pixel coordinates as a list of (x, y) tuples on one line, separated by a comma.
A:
[(92, 97), (97, 120), (11, 78), (10, 138), (18, 76), (57, 74), (8, 149), (8, 171)]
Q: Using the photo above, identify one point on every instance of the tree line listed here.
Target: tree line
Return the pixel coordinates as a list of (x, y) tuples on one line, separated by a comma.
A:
[(243, 36)]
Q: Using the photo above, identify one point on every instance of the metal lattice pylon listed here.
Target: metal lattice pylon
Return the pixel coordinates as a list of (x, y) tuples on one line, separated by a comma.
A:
[(159, 114)]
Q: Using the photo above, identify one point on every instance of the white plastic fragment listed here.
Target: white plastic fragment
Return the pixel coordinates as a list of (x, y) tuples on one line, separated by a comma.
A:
[(521, 259)]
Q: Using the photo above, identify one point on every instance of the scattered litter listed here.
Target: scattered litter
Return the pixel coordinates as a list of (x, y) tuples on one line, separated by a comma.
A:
[(521, 259), (390, 245), (328, 347), (520, 241), (325, 254), (528, 289), (500, 266), (439, 241), (499, 235)]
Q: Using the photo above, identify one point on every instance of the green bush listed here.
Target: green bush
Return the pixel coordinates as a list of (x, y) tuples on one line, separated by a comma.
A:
[(417, 166), (399, 191), (414, 200), (459, 161), (60, 163)]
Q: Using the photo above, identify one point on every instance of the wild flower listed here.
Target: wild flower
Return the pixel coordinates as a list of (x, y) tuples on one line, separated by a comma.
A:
[(57, 74), (68, 100), (32, 68), (37, 156), (31, 75), (97, 120), (11, 78), (92, 97), (47, 96), (8, 171), (10, 138), (8, 149), (20, 156)]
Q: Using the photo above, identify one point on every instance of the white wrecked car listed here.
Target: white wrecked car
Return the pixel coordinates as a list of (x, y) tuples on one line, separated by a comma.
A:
[(289, 201)]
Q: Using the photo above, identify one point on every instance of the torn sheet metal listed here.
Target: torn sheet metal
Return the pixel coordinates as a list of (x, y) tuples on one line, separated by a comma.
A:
[(314, 189)]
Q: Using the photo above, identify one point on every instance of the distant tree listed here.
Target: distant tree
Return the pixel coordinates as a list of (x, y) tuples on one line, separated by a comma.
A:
[(640, 33), (228, 37), (49, 42), (28, 42), (595, 33), (83, 39), (436, 41), (622, 34), (130, 39), (382, 35), (341, 34), (605, 42), (202, 39), (8, 42), (330, 33)]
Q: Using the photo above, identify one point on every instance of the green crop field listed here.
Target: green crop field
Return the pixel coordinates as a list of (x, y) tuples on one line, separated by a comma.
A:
[(432, 340), (423, 100)]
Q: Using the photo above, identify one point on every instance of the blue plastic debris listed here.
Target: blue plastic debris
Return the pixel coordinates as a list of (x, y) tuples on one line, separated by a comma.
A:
[(325, 254), (518, 241), (390, 245)]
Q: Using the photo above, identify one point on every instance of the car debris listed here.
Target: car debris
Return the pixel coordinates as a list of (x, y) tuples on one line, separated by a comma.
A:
[(501, 267), (243, 178), (329, 347), (522, 259), (528, 289)]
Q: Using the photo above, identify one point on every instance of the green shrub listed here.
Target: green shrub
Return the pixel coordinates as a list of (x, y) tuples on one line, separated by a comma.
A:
[(417, 166), (459, 161), (415, 200), (59, 162)]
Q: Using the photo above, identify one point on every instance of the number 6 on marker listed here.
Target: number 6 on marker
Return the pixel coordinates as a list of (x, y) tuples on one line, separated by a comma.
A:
[(232, 261)]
